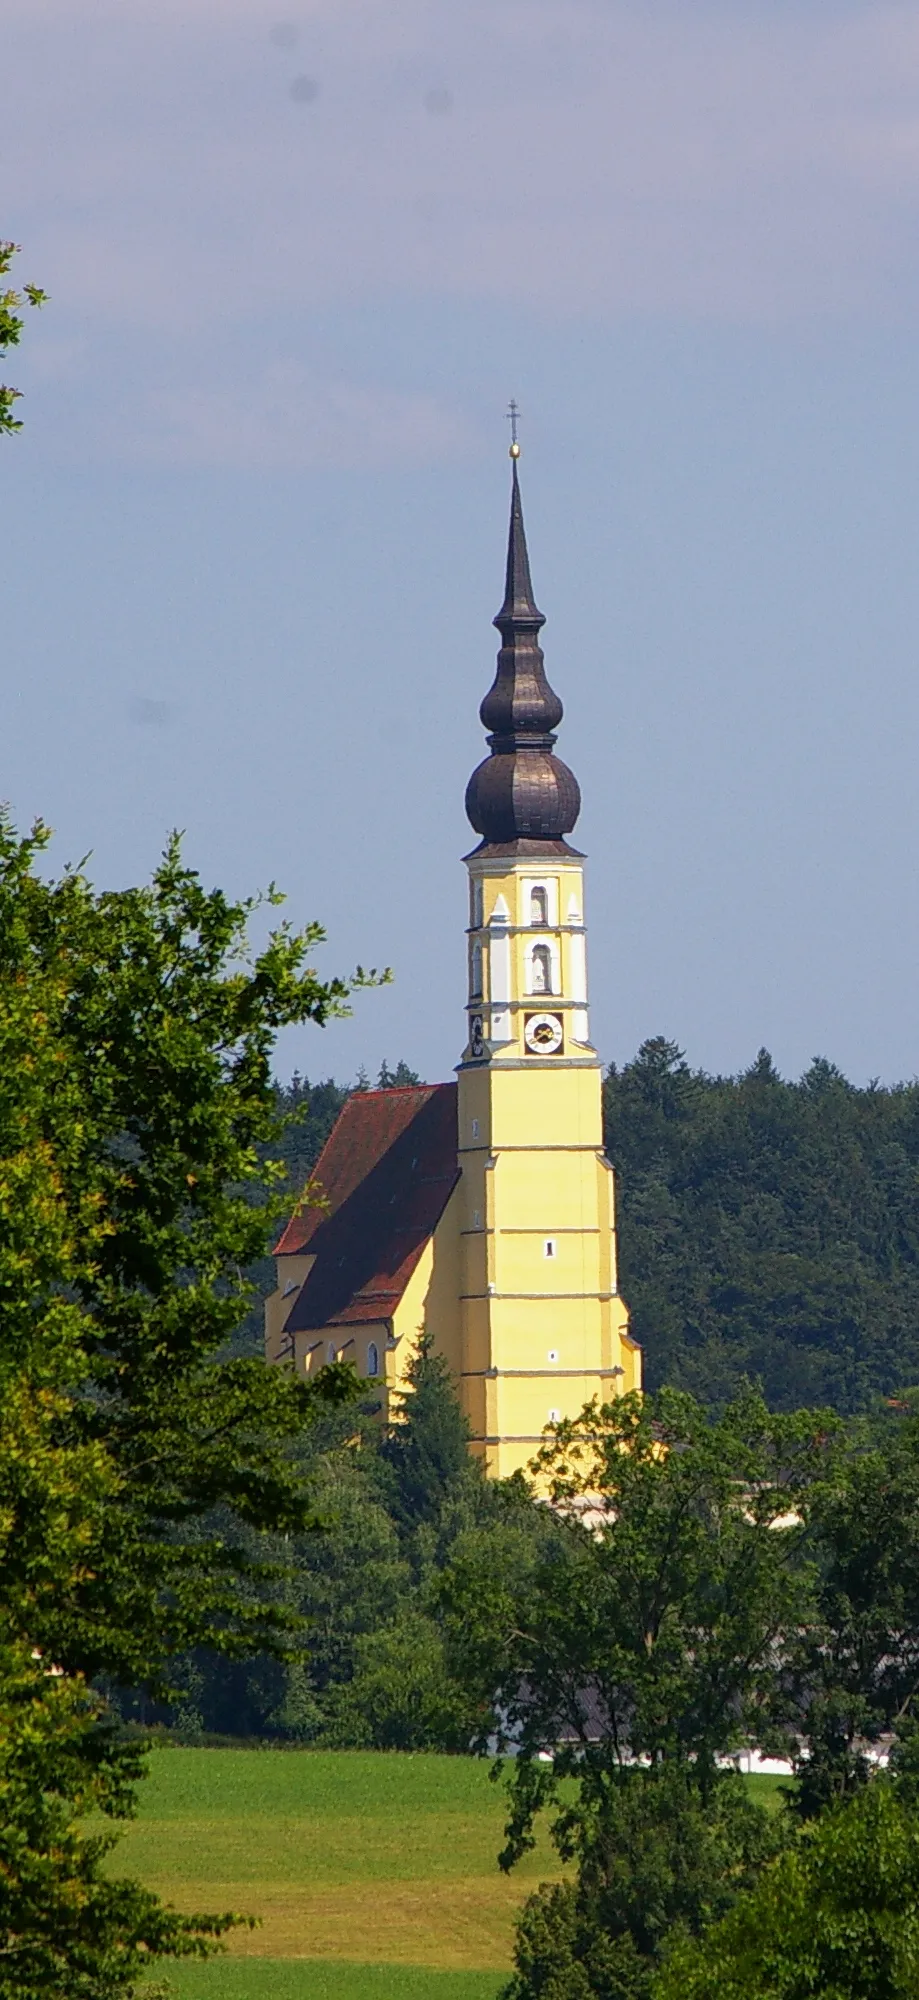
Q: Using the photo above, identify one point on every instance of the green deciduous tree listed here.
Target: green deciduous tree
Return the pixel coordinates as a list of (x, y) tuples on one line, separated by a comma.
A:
[(856, 1662), (136, 1031), (402, 1695), (638, 1649), (659, 1861), (835, 1918)]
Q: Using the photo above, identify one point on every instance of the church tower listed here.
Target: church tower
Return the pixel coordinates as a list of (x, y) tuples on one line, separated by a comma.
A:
[(543, 1326), (481, 1213)]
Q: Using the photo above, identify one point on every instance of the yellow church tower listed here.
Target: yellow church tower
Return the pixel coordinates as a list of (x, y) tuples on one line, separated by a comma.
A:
[(482, 1213), (543, 1326)]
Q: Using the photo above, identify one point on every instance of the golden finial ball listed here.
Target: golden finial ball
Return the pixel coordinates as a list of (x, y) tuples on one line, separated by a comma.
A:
[(515, 450)]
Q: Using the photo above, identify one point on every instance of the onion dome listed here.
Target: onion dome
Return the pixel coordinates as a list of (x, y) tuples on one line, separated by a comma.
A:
[(521, 793)]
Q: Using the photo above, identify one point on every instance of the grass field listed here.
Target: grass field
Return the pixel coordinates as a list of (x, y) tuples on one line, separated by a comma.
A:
[(371, 1875), (374, 1877)]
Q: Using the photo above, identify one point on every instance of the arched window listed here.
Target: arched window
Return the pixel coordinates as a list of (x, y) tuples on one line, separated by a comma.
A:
[(539, 906), (373, 1359), (331, 1353), (475, 973), (541, 974)]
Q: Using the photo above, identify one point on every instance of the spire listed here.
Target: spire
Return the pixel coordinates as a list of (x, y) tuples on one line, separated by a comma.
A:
[(521, 792), (519, 604)]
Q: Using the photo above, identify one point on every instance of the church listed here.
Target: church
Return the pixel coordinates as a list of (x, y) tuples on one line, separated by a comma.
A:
[(482, 1212)]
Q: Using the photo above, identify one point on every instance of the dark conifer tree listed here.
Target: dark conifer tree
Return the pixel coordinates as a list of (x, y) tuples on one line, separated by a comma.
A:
[(426, 1450)]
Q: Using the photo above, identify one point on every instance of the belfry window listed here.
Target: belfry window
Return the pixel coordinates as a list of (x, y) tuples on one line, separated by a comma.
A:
[(539, 908), (541, 969)]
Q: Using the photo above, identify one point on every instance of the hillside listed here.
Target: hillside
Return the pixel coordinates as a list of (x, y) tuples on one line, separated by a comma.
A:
[(768, 1228)]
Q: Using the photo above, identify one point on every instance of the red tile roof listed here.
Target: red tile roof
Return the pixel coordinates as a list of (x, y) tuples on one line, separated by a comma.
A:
[(388, 1170)]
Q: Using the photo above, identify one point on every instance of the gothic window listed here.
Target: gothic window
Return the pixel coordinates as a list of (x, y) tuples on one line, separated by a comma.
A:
[(541, 969), (475, 977), (539, 911), (373, 1359), (330, 1353)]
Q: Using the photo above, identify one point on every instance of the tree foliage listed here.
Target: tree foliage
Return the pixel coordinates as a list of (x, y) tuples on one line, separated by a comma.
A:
[(395, 1503), (12, 307), (854, 1664), (136, 1103), (624, 1662), (768, 1230), (426, 1448), (834, 1918)]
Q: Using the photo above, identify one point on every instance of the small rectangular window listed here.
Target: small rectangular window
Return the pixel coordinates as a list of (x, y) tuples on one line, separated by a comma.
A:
[(475, 1128), (476, 1219), (549, 1247)]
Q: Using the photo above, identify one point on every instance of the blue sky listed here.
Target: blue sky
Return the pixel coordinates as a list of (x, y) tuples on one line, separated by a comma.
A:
[(253, 531)]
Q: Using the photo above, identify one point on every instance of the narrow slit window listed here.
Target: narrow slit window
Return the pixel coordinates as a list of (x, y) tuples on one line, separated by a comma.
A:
[(549, 1247)]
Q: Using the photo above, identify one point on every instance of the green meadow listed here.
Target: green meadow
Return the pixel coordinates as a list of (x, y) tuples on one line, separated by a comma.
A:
[(370, 1875)]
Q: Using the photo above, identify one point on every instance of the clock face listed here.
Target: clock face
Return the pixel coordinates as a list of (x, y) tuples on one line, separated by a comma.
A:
[(543, 1034)]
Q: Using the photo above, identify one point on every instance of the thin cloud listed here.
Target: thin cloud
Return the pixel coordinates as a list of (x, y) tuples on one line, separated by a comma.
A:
[(289, 421), (754, 162)]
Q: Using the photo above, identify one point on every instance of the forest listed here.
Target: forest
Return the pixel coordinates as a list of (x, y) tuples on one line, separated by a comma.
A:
[(768, 1230)]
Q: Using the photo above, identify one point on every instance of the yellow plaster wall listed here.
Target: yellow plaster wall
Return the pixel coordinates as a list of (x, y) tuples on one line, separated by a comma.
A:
[(431, 1300), (314, 1347), (540, 1333), (290, 1271)]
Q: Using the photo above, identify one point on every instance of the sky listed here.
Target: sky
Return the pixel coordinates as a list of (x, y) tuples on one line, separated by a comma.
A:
[(253, 529)]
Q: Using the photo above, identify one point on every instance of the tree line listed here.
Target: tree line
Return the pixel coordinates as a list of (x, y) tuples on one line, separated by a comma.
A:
[(769, 1230)]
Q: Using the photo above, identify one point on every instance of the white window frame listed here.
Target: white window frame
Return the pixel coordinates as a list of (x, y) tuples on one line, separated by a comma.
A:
[(549, 886), (542, 942)]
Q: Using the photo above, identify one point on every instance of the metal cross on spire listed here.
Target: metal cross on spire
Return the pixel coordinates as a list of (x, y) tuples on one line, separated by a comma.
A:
[(513, 413)]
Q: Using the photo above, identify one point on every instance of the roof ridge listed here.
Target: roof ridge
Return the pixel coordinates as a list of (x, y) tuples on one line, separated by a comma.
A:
[(393, 1090)]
